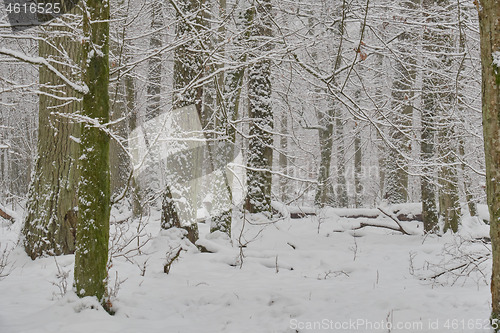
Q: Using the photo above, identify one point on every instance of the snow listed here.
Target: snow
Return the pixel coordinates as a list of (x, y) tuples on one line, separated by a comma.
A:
[(296, 275), (42, 61), (496, 58), (483, 213)]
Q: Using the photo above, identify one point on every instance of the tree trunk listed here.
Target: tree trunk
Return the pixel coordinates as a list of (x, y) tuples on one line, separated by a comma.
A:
[(462, 109), (469, 196), (358, 187), (188, 68), (120, 164), (152, 172), (431, 100), (284, 188), (489, 18), (50, 223), (132, 111), (324, 193), (341, 188), (438, 96), (94, 190), (396, 175), (260, 150), (227, 113), (449, 201)]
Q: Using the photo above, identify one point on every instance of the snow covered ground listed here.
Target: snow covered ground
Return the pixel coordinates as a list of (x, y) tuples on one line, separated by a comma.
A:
[(295, 275)]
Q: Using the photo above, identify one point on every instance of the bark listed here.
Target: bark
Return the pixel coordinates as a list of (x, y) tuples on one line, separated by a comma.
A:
[(50, 222), (432, 97), (438, 97), (396, 175), (330, 125), (358, 187), (341, 188), (469, 196), (449, 204), (188, 68), (449, 201), (428, 187), (260, 151), (216, 126), (153, 97), (152, 173), (462, 108), (120, 164), (226, 116), (324, 193), (6, 216), (489, 23), (94, 189), (136, 193), (283, 159)]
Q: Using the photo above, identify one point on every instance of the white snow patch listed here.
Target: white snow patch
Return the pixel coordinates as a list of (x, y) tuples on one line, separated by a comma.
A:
[(293, 271), (496, 58)]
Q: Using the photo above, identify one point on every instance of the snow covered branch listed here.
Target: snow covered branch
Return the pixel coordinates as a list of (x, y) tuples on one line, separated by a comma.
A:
[(83, 89)]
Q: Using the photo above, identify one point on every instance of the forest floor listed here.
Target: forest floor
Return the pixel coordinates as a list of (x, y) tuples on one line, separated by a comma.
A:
[(314, 274)]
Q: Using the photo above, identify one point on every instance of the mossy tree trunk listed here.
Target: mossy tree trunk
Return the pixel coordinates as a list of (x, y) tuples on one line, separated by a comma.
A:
[(489, 24), (94, 189), (50, 223), (260, 150)]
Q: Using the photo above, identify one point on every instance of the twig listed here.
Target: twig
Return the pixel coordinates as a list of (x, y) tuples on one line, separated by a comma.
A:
[(395, 220)]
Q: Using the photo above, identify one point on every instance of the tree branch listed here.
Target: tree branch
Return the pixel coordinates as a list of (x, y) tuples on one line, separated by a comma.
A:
[(83, 89)]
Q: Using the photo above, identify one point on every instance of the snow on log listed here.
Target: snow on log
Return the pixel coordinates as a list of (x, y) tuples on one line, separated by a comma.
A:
[(6, 214)]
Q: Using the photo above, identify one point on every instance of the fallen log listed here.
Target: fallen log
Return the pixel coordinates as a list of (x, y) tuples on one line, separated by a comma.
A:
[(403, 217), (6, 216), (301, 215), (383, 226)]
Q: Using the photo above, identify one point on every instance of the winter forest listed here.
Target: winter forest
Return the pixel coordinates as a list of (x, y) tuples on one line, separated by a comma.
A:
[(249, 166)]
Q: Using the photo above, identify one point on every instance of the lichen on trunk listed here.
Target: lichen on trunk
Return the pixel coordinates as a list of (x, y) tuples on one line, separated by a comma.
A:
[(94, 188), (50, 223)]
